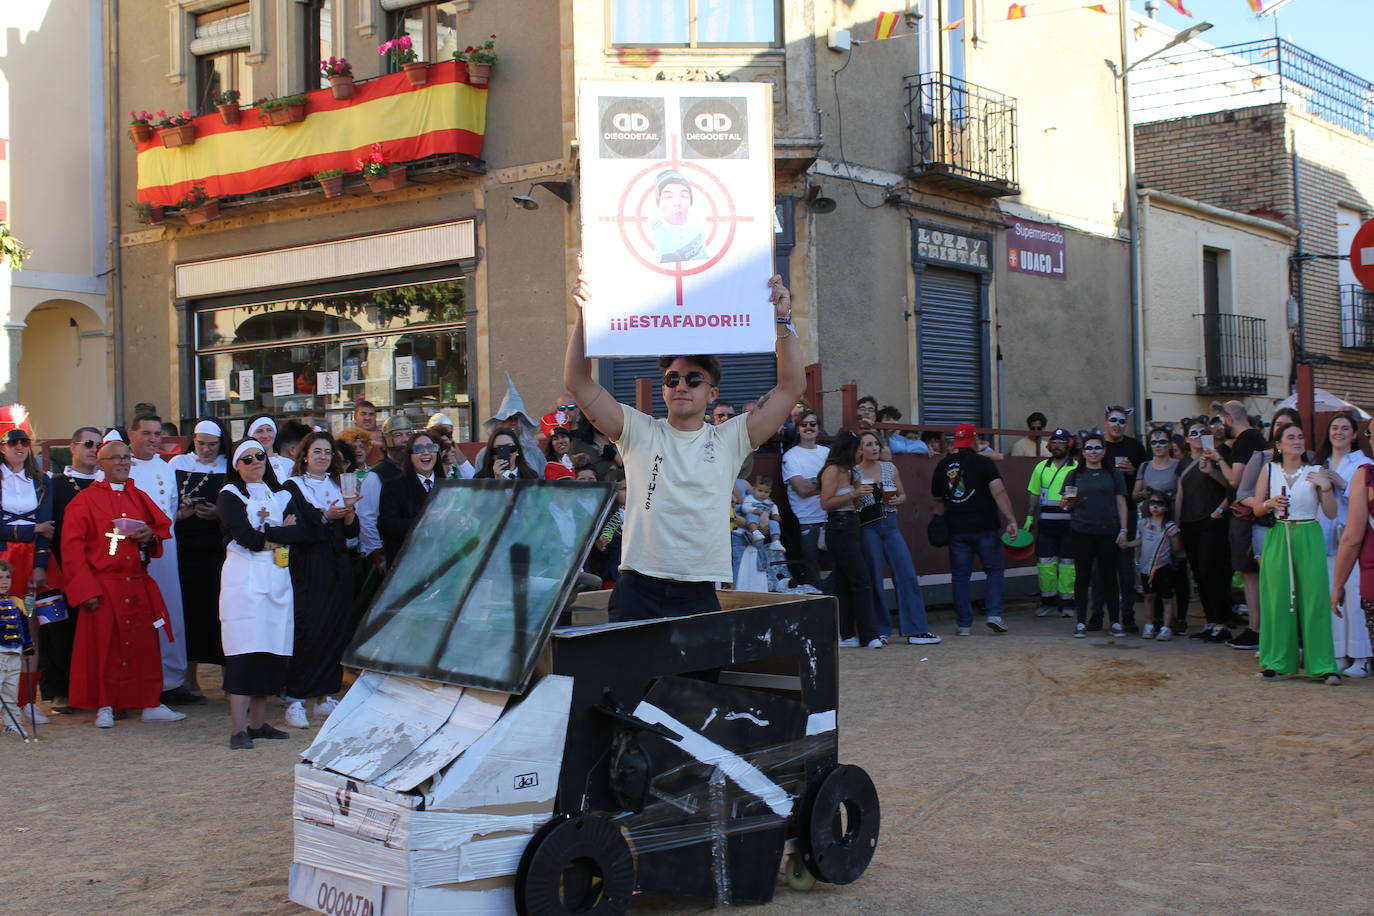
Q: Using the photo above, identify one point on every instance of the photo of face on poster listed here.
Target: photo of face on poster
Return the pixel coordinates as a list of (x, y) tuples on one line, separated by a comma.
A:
[(677, 217)]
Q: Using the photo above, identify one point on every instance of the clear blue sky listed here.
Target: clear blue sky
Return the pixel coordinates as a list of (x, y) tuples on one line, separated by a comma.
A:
[(1341, 31)]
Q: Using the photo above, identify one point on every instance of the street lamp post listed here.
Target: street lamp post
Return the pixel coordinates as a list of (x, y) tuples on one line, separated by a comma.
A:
[(1132, 204)]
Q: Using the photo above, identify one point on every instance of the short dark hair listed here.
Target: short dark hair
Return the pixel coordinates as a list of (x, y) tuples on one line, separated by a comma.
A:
[(292, 432), (889, 412), (76, 436), (146, 418), (1037, 415), (869, 399), (364, 403), (763, 480), (710, 364), (719, 404)]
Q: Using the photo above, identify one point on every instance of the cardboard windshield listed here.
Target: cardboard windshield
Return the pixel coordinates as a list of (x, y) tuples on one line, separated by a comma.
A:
[(481, 580)]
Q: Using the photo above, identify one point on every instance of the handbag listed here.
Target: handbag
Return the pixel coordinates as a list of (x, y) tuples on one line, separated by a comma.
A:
[(937, 531), (872, 513)]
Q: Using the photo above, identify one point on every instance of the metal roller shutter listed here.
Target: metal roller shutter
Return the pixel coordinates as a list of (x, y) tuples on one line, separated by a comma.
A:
[(952, 363), (746, 376)]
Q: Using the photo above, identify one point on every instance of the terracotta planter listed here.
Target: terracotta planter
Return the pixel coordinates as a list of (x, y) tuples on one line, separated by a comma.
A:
[(417, 73), (341, 86), (288, 114), (156, 215), (332, 187), (392, 181), (202, 214), (479, 74), (183, 135), (141, 132), (229, 113)]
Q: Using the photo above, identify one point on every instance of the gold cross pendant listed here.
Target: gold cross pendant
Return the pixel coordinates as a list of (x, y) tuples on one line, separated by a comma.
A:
[(115, 537)]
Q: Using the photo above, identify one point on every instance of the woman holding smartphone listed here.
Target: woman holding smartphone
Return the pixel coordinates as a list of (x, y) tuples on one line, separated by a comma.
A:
[(503, 459), (1095, 496)]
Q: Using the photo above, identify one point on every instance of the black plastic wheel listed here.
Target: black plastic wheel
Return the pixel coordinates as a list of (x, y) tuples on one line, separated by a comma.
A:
[(578, 864), (840, 826)]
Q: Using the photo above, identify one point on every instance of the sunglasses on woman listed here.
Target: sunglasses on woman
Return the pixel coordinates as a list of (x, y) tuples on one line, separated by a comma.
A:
[(252, 458), (425, 449), (1156, 443)]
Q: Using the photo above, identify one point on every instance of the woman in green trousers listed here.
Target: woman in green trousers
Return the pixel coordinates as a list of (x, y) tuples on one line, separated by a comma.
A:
[(1294, 587)]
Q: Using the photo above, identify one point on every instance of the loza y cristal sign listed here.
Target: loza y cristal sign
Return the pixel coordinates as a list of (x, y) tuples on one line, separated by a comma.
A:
[(951, 247)]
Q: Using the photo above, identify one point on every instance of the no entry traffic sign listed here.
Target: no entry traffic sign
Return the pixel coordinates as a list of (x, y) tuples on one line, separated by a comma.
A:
[(1362, 255)]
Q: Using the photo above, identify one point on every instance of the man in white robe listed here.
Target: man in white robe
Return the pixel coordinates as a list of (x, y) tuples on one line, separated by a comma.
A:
[(155, 477)]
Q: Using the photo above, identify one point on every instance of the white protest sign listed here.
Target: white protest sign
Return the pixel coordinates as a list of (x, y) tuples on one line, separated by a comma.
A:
[(677, 217)]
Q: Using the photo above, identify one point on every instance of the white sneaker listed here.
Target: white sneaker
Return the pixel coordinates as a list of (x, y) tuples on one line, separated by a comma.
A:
[(161, 713), (875, 644), (922, 639), (1080, 631), (964, 631), (32, 713), (1148, 631), (105, 717), (1118, 630), (1045, 610), (295, 716), (11, 730), (996, 625), (756, 537), (1066, 612), (1164, 635), (325, 707), (1359, 669)]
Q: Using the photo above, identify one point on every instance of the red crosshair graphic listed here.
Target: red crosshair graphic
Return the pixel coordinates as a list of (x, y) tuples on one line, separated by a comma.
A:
[(624, 218)]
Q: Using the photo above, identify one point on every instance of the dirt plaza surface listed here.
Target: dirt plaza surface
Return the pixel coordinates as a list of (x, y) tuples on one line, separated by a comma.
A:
[(1023, 773)]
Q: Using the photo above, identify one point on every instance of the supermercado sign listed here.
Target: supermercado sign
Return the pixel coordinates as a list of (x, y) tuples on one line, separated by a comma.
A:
[(1035, 248), (940, 245)]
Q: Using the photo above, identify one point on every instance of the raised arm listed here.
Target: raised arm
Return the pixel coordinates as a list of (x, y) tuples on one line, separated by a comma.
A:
[(595, 401), (773, 408)]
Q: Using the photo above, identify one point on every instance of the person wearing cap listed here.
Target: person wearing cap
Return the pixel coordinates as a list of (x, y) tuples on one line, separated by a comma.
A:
[(680, 471), (155, 478), (397, 432), (677, 237), (1049, 520), (200, 555), (1125, 454), (975, 500), (116, 662), (1033, 446), (564, 414)]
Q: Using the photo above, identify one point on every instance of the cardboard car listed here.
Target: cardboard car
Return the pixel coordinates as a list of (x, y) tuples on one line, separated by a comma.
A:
[(508, 749)]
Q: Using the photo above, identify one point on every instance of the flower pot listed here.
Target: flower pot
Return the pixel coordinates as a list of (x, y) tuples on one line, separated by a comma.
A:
[(341, 86), (141, 132), (479, 74), (417, 72), (286, 114), (391, 181), (229, 113), (332, 187), (155, 215), (202, 214), (182, 135)]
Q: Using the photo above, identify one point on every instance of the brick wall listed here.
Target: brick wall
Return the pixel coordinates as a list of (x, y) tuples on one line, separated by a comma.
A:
[(1242, 160)]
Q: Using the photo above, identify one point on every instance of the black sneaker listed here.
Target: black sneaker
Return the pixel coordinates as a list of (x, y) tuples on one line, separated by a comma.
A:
[(181, 696), (1248, 639), (1220, 634), (1204, 634)]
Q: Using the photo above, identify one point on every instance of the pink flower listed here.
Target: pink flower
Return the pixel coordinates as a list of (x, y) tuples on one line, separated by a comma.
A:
[(405, 42), (385, 47), (160, 113), (186, 113)]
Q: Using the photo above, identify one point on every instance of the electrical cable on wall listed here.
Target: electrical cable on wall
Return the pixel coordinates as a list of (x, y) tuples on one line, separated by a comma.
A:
[(839, 131)]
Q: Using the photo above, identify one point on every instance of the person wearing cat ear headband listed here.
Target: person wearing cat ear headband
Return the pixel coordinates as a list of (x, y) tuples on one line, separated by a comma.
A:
[(1125, 454)]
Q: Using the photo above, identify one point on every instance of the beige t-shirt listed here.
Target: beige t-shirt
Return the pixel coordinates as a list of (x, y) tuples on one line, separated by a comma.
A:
[(677, 496)]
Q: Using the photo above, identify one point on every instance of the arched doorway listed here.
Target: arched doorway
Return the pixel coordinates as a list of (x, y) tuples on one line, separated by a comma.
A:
[(64, 375)]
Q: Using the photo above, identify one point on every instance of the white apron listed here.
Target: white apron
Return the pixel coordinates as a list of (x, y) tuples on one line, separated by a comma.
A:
[(256, 613)]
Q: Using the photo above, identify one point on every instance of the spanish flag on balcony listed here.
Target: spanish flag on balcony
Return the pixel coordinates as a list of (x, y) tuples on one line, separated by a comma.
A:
[(1016, 11), (885, 26), (446, 115)]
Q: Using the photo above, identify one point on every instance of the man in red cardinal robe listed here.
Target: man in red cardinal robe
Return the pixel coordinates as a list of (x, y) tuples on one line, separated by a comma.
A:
[(109, 532)]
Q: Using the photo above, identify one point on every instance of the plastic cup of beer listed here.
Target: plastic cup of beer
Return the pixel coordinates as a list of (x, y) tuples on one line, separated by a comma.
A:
[(348, 486), (1071, 492), (890, 496)]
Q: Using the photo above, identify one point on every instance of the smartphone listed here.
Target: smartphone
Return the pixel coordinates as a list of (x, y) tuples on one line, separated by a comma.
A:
[(1209, 441), (504, 451)]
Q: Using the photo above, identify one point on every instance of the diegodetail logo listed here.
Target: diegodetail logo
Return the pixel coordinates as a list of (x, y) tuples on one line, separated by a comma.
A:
[(631, 128), (715, 128)]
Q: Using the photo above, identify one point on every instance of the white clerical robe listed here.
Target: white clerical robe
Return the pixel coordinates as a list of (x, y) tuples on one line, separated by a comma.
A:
[(156, 478)]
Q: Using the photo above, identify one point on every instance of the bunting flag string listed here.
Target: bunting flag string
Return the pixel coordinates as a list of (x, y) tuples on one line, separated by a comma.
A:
[(1016, 11), (953, 25)]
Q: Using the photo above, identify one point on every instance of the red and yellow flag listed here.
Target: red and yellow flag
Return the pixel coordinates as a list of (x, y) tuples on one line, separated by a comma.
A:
[(885, 26), (1256, 6), (953, 25), (1178, 5), (1016, 11), (1099, 8)]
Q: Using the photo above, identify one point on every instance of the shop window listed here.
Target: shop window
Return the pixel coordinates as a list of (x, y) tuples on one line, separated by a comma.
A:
[(404, 348), (317, 40), (220, 45), (432, 27), (695, 23)]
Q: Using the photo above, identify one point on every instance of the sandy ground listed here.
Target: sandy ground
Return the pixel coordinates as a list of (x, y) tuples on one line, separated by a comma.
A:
[(1025, 773)]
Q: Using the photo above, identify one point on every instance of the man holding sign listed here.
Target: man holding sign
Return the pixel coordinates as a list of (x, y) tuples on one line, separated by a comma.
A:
[(680, 471)]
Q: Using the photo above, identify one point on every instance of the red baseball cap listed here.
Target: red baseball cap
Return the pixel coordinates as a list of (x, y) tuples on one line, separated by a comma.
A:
[(964, 434)]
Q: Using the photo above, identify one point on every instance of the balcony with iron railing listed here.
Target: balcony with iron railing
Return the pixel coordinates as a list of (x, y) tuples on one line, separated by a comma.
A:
[(1357, 318), (1271, 71), (1233, 355), (963, 137)]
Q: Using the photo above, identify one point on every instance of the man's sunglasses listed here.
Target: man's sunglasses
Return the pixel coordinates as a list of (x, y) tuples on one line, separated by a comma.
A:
[(811, 424), (564, 406), (253, 458), (1117, 421), (430, 449), (693, 379), (87, 443)]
